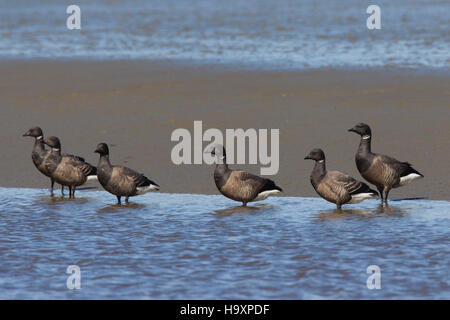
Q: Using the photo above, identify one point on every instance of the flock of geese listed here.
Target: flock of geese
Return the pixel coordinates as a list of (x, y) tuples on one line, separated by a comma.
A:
[(384, 172)]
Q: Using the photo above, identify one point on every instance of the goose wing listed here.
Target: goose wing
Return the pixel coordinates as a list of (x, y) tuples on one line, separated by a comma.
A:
[(257, 183), (138, 179), (86, 168), (73, 157), (402, 168), (340, 180)]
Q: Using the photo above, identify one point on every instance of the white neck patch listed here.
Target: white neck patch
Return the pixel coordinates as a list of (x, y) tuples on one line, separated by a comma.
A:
[(55, 149), (366, 137), (39, 138), (320, 161)]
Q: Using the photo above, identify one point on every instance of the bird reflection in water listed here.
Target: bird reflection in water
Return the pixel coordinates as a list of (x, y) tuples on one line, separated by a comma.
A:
[(366, 213), (114, 208), (239, 210), (52, 200)]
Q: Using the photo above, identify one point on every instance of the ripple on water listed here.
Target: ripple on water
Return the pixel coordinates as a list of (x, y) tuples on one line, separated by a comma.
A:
[(299, 35), (166, 246)]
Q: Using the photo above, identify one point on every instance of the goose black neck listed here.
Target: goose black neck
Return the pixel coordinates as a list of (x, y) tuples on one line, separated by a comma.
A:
[(56, 152), (320, 167), (104, 161), (222, 167), (364, 145), (39, 144), (319, 171), (221, 174)]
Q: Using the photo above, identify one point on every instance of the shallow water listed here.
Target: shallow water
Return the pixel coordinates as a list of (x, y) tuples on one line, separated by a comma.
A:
[(184, 246), (264, 33)]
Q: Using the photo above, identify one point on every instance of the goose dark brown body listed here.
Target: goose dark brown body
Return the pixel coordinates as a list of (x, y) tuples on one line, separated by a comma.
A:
[(382, 171), (67, 170), (40, 154), (335, 186), (121, 181), (240, 185), (244, 187)]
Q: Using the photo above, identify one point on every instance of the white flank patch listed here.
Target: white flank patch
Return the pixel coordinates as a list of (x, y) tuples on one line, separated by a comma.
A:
[(263, 195), (91, 179), (357, 198), (410, 177), (142, 190)]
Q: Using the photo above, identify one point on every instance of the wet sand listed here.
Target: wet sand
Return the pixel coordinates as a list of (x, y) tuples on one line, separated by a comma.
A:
[(135, 105)]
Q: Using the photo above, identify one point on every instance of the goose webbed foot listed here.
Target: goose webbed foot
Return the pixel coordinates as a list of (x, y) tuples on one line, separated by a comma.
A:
[(118, 200)]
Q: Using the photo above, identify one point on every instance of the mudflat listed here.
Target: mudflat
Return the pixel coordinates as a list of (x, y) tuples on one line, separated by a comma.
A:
[(134, 106)]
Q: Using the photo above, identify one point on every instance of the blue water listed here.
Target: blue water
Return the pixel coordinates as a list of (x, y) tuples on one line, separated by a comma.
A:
[(184, 246), (260, 33)]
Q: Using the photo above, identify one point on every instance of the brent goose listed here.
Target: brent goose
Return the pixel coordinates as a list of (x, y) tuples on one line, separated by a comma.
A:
[(39, 153), (335, 186), (121, 181), (382, 171), (239, 185), (67, 170)]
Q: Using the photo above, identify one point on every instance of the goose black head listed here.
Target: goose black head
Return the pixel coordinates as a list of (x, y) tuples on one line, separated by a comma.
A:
[(102, 149), (53, 142), (362, 129), (216, 150), (316, 155), (35, 132)]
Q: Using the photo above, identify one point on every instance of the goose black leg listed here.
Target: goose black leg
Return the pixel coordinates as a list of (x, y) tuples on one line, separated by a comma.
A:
[(380, 191), (73, 192), (52, 184), (244, 204), (70, 192), (118, 200), (62, 190), (126, 199), (386, 195)]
